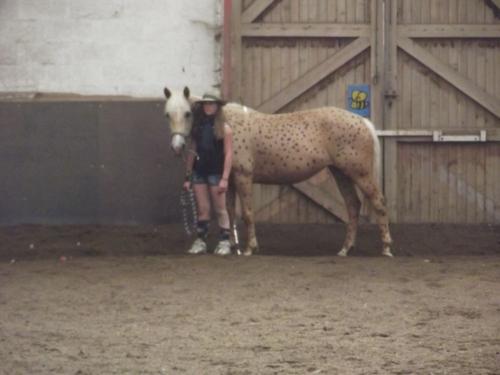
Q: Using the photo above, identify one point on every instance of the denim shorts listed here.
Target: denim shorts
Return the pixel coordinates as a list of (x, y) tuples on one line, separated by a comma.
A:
[(211, 179)]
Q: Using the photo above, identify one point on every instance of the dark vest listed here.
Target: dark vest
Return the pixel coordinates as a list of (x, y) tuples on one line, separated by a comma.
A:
[(210, 150)]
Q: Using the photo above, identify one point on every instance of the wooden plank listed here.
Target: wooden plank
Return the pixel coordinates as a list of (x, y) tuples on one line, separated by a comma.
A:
[(416, 13), (406, 98), (445, 13), (315, 75), (359, 15), (257, 74), (341, 11), (481, 187), (332, 11), (335, 206), (350, 10), (276, 67), (401, 186), (236, 51), (255, 10), (246, 76), (449, 31), (453, 62), (435, 94), (304, 30), (444, 150), (416, 92), (465, 85), (481, 80), (286, 7), (468, 188), (390, 149), (266, 73)]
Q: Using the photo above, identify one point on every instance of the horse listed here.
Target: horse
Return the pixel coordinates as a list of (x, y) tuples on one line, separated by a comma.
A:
[(292, 147)]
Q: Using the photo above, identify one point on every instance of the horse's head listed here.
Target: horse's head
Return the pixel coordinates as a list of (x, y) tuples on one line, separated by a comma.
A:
[(179, 116)]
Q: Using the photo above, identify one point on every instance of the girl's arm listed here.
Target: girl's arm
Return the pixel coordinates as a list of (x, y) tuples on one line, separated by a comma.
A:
[(228, 158), (228, 152)]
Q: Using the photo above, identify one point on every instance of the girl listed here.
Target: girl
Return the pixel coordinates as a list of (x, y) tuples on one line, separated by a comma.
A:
[(208, 166)]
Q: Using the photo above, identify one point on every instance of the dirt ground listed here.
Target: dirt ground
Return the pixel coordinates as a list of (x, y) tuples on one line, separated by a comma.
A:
[(127, 300)]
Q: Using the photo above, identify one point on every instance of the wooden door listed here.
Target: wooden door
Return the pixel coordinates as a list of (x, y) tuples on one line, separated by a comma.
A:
[(442, 111), (434, 71)]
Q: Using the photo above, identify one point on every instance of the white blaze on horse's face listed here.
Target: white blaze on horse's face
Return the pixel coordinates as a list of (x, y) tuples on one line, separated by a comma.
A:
[(179, 117)]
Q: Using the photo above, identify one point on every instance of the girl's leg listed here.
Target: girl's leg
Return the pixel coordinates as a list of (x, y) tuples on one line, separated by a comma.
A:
[(203, 205), (202, 201), (219, 202)]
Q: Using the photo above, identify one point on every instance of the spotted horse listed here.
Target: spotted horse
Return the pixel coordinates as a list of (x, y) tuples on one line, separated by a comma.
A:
[(292, 147)]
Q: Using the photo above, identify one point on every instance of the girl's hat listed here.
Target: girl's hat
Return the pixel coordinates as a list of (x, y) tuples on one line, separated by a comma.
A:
[(211, 98)]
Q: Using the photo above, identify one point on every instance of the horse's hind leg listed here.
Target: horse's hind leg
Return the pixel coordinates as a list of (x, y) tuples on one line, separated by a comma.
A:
[(244, 189), (353, 205), (370, 189)]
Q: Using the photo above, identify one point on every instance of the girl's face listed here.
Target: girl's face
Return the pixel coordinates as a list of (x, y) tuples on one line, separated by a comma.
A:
[(210, 108)]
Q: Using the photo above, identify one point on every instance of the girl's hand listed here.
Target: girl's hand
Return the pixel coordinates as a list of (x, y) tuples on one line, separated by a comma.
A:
[(222, 186), (187, 185)]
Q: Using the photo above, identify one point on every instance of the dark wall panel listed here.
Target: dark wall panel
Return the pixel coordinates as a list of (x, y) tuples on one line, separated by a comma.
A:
[(87, 162)]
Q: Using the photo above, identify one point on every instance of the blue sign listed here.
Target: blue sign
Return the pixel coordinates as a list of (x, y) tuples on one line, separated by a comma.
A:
[(359, 99)]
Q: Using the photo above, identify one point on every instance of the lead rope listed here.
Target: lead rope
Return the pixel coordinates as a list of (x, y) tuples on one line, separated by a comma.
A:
[(189, 212), (188, 207)]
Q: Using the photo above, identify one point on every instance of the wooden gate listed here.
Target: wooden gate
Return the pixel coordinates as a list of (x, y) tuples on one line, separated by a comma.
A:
[(443, 90), (435, 96)]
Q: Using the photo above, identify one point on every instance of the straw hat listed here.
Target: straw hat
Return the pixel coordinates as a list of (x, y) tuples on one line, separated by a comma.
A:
[(211, 98)]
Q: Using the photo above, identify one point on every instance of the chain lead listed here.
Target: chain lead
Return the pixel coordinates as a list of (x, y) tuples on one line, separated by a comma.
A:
[(189, 213)]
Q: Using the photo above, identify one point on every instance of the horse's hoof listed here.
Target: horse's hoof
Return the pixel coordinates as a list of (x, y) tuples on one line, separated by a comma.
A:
[(247, 253), (342, 253), (387, 253)]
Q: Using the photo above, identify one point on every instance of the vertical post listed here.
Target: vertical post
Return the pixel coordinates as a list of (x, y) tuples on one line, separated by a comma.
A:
[(377, 61), (377, 71), (236, 50), (390, 144), (226, 50)]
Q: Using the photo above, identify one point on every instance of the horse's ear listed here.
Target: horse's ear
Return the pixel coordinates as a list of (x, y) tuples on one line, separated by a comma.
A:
[(186, 92), (167, 93)]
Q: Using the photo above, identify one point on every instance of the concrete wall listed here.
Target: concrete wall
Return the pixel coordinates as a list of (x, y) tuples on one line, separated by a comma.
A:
[(108, 47), (71, 162)]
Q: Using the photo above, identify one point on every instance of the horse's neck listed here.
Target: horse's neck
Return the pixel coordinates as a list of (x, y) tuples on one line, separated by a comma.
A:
[(240, 108)]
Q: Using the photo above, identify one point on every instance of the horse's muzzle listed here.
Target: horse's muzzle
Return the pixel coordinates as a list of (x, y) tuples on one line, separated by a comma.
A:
[(177, 144)]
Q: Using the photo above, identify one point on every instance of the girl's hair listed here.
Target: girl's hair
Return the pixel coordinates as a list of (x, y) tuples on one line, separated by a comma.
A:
[(199, 115)]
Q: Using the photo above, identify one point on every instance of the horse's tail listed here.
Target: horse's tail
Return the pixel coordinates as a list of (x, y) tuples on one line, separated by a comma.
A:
[(376, 148)]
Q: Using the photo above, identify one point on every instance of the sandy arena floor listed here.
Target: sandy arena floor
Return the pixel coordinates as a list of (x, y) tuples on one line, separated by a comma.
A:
[(126, 300)]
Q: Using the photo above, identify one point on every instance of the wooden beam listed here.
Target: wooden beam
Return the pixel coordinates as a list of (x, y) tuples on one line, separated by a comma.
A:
[(465, 85), (449, 31), (309, 79), (236, 51), (304, 30), (405, 133), (255, 10), (390, 146), (226, 50), (337, 208)]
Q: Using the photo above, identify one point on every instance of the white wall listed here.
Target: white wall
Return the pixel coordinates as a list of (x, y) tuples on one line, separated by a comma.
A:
[(108, 47)]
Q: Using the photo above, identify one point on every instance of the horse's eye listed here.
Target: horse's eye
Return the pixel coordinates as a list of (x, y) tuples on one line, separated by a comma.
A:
[(187, 114)]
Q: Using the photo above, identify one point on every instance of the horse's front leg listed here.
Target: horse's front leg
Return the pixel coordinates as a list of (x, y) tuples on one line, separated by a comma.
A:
[(231, 209), (243, 184)]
